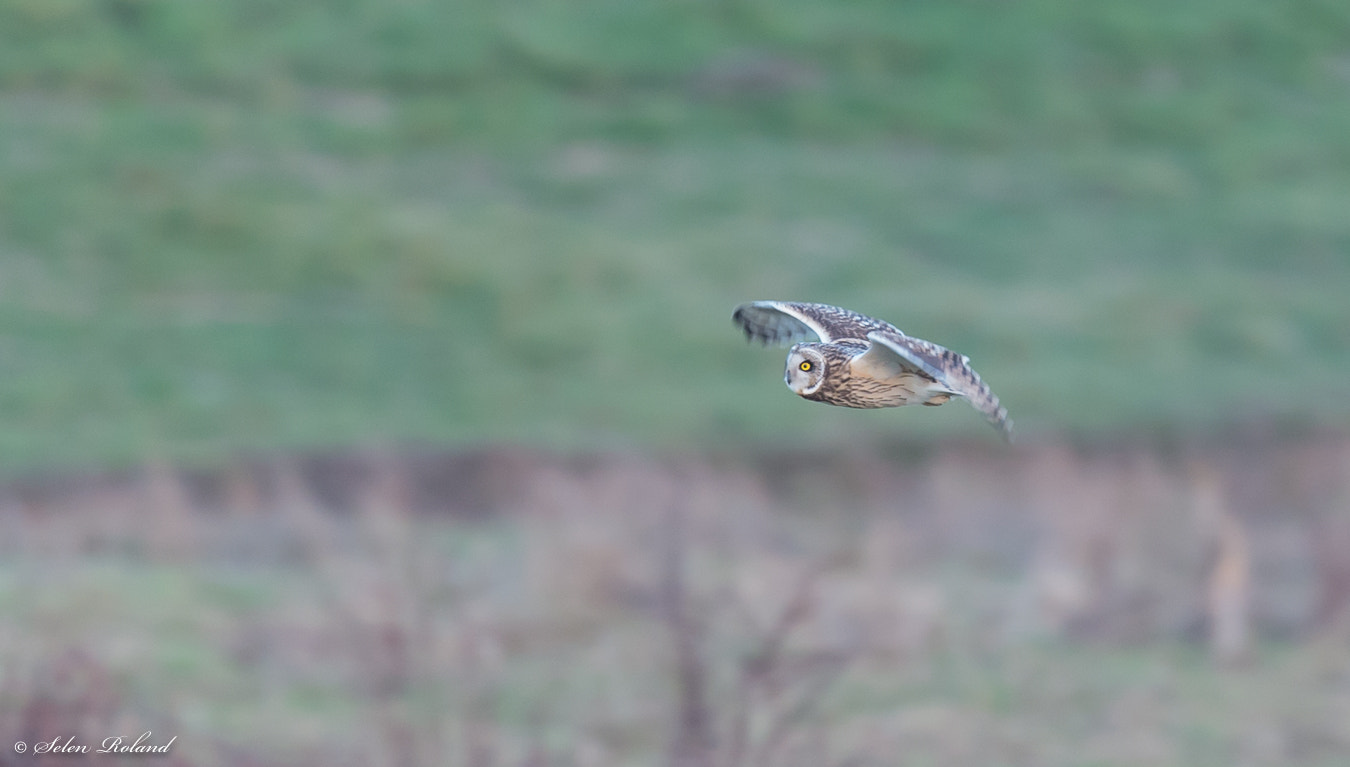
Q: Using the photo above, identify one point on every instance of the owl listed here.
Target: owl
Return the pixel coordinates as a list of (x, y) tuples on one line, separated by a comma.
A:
[(844, 358)]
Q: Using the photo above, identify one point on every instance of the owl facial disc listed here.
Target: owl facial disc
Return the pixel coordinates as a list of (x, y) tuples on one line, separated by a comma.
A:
[(805, 370)]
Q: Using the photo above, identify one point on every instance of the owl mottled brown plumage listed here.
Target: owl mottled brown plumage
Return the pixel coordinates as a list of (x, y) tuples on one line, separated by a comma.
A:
[(844, 358)]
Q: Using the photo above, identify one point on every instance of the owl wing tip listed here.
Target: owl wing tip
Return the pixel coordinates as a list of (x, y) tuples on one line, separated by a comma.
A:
[(779, 322), (952, 370)]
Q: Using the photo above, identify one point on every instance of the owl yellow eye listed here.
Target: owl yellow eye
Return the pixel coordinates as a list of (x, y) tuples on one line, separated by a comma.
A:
[(805, 366)]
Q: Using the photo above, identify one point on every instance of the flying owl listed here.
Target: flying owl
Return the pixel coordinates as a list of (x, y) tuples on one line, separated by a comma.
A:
[(844, 358)]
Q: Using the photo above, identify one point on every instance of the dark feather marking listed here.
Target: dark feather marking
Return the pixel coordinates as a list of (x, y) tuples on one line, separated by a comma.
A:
[(774, 322)]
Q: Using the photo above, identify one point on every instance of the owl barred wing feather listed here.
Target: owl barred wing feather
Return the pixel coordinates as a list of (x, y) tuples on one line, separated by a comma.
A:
[(949, 369), (841, 357), (787, 322)]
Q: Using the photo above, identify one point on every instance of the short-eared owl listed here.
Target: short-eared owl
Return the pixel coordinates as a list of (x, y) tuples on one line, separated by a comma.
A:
[(845, 358)]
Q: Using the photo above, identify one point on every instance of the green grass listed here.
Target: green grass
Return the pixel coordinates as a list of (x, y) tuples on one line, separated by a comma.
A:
[(242, 224), (293, 659)]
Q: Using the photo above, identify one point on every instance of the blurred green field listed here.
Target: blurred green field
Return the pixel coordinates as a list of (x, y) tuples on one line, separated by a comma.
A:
[(247, 224), (301, 675), (972, 623), (238, 231)]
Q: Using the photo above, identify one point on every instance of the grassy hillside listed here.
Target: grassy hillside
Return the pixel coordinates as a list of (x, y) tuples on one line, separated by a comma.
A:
[(242, 224)]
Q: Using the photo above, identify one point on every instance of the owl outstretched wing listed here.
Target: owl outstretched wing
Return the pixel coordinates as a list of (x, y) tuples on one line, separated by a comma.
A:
[(945, 366), (788, 322)]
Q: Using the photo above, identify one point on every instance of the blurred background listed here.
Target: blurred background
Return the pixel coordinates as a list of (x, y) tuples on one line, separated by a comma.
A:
[(370, 394)]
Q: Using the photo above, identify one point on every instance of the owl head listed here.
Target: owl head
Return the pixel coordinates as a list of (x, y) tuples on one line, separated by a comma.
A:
[(806, 369)]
